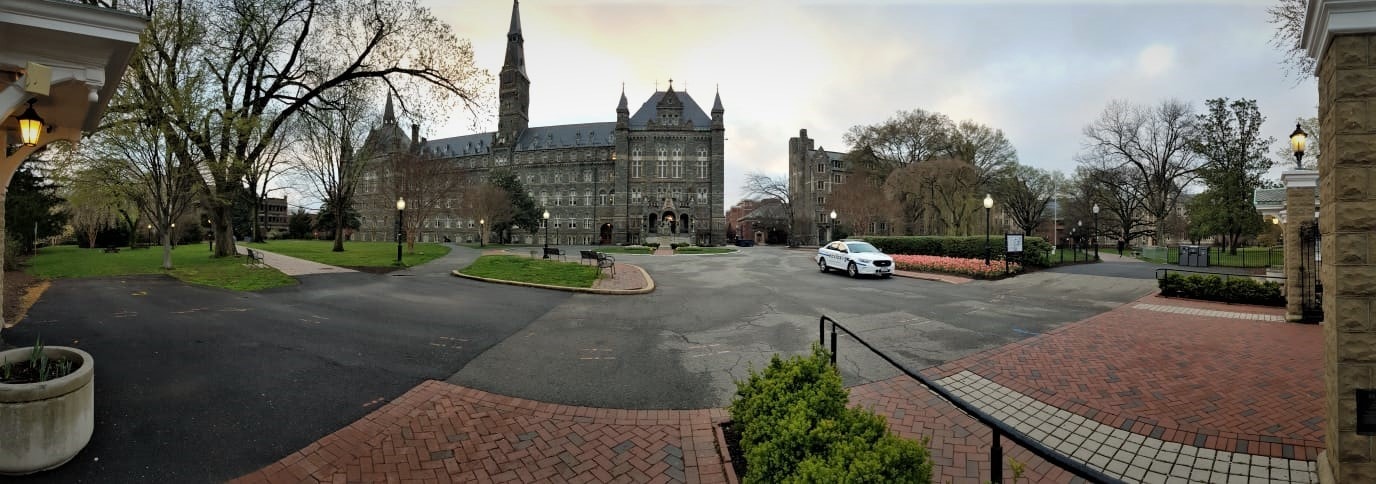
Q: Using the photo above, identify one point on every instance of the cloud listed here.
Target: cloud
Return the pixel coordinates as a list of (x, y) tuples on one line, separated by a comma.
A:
[(1155, 60)]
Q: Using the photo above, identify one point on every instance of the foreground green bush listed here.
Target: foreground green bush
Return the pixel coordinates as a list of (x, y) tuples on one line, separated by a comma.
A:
[(795, 427), (1036, 250), (1213, 288)]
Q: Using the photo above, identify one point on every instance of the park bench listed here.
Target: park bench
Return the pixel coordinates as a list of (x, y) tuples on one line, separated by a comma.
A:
[(588, 255), (605, 261), (555, 251), (255, 257), (111, 250)]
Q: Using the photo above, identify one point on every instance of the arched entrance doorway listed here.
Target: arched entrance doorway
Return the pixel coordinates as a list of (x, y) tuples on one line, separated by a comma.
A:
[(605, 234), (669, 222)]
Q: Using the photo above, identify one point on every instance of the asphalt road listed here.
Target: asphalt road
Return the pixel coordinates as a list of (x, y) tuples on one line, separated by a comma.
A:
[(198, 384)]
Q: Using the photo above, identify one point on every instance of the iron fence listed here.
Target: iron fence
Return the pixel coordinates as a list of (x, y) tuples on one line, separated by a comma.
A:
[(996, 426)]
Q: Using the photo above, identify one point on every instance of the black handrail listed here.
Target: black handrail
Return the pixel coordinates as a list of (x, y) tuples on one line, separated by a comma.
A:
[(997, 426), (1162, 272)]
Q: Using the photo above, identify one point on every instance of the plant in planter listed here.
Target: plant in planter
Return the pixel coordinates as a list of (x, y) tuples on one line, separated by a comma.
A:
[(47, 407)]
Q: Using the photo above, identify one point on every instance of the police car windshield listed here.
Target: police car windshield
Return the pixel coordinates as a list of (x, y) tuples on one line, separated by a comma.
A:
[(859, 247)]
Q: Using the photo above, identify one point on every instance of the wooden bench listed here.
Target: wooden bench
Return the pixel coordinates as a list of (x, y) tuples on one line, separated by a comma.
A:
[(112, 250), (549, 251), (255, 257), (588, 255)]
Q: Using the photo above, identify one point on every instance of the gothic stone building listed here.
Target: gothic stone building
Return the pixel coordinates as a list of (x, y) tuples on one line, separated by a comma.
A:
[(655, 175), (812, 175)]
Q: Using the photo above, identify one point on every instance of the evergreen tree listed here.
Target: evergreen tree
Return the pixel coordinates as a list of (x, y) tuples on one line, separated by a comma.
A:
[(325, 220), (1228, 138), (527, 215), (299, 224), (30, 209)]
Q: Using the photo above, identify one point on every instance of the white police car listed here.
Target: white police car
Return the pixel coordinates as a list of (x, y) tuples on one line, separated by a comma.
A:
[(854, 257)]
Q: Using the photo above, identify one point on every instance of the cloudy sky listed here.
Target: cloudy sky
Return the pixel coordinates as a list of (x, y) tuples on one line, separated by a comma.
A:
[(1038, 70)]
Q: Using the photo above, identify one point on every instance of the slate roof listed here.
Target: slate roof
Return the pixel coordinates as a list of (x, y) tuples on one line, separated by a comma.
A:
[(535, 138), (691, 111), (1268, 197), (767, 211)]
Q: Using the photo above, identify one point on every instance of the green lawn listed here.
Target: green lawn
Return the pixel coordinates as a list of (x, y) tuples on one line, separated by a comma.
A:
[(189, 264), (356, 254), (703, 250), (538, 271), (626, 250)]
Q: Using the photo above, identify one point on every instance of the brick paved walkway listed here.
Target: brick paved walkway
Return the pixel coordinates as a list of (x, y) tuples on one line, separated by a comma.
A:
[(1213, 382), (439, 432), (625, 277)]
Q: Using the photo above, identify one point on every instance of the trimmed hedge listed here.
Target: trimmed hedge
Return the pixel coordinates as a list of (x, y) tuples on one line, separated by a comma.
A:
[(1036, 250), (795, 427), (1240, 289)]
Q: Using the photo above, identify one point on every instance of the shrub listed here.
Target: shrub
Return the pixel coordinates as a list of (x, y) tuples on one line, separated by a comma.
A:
[(1242, 289), (654, 245), (795, 427), (1035, 249), (953, 265)]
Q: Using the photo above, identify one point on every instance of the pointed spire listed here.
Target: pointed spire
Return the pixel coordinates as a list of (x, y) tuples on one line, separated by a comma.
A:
[(389, 114), (716, 104), (515, 18), (623, 106), (671, 85)]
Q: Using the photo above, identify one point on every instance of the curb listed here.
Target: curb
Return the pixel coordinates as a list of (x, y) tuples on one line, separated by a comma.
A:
[(925, 277), (727, 468), (649, 287)]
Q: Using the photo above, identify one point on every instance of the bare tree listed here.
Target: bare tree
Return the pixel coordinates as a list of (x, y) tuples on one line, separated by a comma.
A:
[(1121, 209), (1152, 142), (1025, 192), (861, 204), (232, 73), (92, 201), (1288, 18), (326, 157), (428, 184), (488, 203), (985, 148), (772, 188), (907, 137)]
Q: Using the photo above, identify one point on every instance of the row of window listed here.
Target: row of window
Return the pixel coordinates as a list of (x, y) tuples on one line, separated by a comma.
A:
[(668, 170), (557, 178), (664, 153)]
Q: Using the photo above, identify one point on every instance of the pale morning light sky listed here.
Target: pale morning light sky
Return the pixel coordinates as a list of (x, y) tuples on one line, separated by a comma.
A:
[(1038, 70)]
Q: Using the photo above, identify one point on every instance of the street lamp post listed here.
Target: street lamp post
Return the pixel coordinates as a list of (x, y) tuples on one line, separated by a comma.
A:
[(1080, 225), (401, 227), (546, 222), (482, 224), (833, 222), (1297, 140), (988, 206), (1096, 231)]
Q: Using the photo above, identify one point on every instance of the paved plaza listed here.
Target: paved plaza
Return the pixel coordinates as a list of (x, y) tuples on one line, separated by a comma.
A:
[(420, 375)]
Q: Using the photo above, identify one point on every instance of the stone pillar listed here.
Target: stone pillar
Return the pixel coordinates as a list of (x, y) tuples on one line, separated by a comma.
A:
[(1300, 186), (1340, 35)]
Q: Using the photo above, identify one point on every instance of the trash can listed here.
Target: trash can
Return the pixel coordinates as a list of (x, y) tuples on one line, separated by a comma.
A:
[(1194, 256)]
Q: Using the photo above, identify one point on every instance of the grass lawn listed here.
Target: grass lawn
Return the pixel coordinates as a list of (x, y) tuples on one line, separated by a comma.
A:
[(1246, 256), (538, 271), (626, 250), (189, 264), (703, 250), (356, 254)]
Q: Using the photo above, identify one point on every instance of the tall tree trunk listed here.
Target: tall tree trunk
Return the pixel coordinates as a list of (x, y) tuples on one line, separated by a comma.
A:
[(166, 250), (224, 231), (340, 220)]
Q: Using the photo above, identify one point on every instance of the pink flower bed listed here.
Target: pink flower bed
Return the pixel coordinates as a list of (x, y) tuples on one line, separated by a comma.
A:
[(954, 265)]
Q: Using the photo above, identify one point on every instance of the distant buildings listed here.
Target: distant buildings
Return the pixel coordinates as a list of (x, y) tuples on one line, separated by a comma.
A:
[(812, 175)]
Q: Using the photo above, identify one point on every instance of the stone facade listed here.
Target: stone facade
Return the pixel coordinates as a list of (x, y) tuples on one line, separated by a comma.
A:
[(1300, 188), (1347, 185), (655, 175), (812, 175)]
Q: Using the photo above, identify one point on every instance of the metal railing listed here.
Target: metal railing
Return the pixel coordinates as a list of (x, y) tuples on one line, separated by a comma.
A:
[(997, 426), (1162, 272), (1252, 257)]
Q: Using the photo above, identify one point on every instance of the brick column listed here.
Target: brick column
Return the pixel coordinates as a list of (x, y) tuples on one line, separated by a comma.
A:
[(1299, 209), (1341, 34)]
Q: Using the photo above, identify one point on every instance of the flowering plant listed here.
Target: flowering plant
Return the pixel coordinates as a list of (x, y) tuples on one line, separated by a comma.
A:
[(954, 265)]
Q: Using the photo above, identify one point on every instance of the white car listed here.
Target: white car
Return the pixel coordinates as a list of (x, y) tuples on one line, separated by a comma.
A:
[(854, 257)]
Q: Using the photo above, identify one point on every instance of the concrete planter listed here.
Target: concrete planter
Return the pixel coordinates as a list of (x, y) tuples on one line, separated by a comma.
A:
[(43, 425)]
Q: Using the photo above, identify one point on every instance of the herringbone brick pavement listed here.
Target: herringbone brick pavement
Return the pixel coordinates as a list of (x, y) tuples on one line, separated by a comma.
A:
[(439, 432), (1220, 383)]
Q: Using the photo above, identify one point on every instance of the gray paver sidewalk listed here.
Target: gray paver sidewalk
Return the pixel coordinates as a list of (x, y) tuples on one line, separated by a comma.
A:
[(292, 266)]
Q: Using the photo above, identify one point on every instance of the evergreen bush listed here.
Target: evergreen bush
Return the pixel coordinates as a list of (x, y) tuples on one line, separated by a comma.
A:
[(795, 427), (1213, 288)]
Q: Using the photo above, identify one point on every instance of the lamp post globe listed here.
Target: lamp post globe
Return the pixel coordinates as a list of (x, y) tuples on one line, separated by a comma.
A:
[(833, 222), (1095, 209), (1297, 141), (545, 216), (401, 226), (988, 206)]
